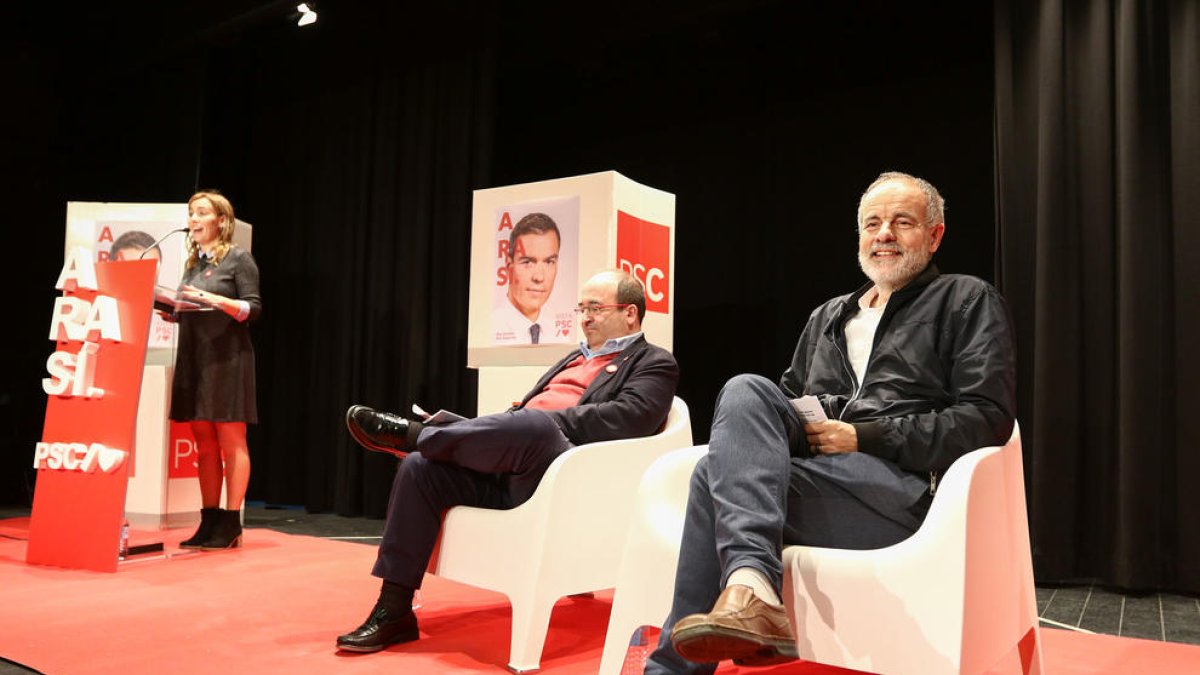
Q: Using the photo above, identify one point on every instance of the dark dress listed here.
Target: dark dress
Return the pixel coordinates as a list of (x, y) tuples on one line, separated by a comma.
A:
[(214, 365)]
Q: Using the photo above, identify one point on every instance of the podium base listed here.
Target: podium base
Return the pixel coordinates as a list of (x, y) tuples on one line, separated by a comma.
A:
[(142, 549)]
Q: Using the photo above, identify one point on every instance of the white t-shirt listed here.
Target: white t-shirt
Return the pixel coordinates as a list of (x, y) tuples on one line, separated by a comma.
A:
[(860, 334)]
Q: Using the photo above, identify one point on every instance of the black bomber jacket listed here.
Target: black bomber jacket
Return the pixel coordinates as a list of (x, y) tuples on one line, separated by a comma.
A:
[(941, 377)]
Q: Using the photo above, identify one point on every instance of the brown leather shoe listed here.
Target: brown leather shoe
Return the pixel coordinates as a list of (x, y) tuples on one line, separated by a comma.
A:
[(739, 627)]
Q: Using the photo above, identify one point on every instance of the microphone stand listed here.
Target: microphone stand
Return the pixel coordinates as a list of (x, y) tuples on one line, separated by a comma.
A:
[(157, 302), (161, 240)]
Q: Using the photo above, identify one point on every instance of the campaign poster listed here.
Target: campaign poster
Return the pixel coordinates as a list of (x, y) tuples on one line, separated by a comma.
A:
[(536, 272), (644, 250), (132, 240)]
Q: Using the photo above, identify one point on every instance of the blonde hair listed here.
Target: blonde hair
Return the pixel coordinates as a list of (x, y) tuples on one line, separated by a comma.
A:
[(224, 209)]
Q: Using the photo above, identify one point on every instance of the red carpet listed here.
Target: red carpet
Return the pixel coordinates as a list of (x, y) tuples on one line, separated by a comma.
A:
[(276, 606)]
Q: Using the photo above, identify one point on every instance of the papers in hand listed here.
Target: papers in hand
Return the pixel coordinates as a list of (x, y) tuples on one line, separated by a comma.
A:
[(439, 417), (809, 409)]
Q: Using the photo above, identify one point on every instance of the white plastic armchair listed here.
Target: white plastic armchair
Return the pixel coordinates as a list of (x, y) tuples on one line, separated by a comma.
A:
[(646, 580), (956, 597), (566, 539)]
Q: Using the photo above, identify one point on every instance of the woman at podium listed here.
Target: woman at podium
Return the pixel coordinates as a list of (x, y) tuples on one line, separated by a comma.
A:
[(213, 388)]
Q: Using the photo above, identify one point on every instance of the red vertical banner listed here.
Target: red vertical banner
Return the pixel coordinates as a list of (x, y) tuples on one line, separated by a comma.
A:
[(644, 250), (100, 326)]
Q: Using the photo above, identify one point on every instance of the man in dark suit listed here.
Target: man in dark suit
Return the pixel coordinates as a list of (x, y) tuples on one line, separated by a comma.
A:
[(616, 385)]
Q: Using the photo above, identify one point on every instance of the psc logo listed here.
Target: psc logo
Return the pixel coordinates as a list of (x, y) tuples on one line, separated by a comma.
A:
[(644, 250), (182, 457), (82, 457)]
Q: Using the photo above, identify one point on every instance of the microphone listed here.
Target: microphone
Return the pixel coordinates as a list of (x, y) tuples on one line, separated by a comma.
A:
[(161, 240)]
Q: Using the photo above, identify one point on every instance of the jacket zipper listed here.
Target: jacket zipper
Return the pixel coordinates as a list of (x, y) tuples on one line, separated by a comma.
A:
[(933, 475), (853, 378)]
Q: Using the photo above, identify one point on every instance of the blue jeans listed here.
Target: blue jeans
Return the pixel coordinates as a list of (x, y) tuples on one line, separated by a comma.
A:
[(494, 462), (759, 488)]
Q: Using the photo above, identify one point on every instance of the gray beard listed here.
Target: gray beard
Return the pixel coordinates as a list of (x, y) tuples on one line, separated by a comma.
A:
[(911, 263)]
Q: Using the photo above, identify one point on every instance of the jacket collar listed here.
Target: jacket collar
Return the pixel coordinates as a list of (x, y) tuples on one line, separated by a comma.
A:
[(604, 375), (909, 291), (849, 304), (630, 349)]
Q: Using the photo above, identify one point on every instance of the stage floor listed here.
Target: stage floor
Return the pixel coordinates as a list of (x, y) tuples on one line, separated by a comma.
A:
[(277, 604)]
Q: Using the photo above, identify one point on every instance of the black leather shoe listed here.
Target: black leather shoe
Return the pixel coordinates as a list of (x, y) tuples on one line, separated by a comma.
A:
[(381, 629), (381, 431)]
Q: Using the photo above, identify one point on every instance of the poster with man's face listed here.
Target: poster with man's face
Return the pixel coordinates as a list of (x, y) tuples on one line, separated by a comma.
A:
[(537, 254), (134, 240)]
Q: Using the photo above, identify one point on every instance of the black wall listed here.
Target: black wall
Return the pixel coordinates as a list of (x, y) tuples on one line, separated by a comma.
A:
[(765, 119)]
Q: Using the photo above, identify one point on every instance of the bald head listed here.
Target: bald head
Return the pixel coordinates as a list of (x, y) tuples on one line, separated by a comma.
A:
[(615, 304)]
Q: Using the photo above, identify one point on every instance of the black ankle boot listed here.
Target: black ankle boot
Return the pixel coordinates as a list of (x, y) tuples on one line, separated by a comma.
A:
[(226, 533), (208, 519)]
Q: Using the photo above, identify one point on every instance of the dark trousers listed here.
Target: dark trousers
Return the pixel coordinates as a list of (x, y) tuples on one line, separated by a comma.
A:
[(758, 489), (494, 461)]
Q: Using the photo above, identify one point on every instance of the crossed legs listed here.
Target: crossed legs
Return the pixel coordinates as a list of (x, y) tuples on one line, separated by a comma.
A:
[(756, 491), (495, 461)]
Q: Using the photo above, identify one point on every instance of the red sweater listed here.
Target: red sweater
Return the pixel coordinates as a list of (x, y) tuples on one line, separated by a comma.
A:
[(566, 388)]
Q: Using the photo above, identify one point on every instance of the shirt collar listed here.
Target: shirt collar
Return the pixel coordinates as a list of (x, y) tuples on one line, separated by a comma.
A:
[(867, 298), (610, 346)]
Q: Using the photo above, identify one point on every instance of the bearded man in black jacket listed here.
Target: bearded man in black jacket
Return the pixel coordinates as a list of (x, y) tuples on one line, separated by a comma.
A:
[(912, 370)]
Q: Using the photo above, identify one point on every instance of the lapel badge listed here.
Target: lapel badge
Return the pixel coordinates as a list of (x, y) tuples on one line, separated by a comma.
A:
[(610, 369)]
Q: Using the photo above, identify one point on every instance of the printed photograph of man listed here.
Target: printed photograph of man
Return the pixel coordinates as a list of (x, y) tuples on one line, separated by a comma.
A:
[(532, 267), (130, 246), (138, 240)]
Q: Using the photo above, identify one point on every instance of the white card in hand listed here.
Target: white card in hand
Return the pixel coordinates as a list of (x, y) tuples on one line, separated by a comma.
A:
[(809, 409), (439, 417)]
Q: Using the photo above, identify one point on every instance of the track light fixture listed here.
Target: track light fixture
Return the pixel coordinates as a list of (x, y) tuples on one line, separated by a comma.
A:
[(308, 13)]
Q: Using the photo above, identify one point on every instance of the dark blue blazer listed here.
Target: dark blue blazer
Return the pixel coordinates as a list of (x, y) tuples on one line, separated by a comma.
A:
[(630, 401)]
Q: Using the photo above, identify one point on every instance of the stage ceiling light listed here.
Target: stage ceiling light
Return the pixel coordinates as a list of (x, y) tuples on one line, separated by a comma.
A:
[(307, 14)]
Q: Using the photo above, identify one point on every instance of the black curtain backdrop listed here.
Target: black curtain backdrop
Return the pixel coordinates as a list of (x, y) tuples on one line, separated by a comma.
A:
[(766, 120), (1098, 186), (94, 113), (353, 147), (355, 155)]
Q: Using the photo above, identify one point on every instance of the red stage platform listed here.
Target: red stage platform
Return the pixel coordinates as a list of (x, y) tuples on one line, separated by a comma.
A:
[(276, 606)]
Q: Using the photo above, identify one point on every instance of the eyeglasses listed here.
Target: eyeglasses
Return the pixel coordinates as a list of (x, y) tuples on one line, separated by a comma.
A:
[(590, 310)]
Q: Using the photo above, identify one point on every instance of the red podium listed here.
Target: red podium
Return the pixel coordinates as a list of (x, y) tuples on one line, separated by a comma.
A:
[(100, 326)]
